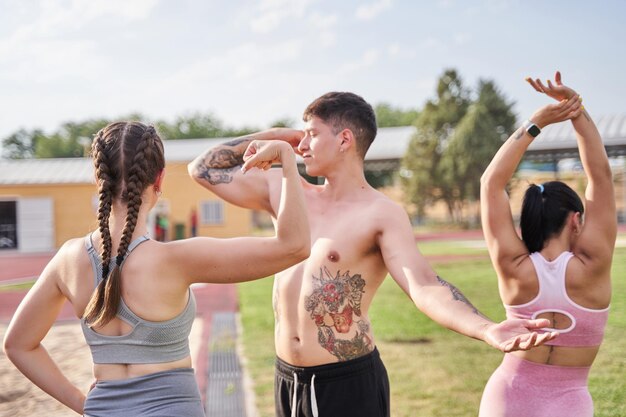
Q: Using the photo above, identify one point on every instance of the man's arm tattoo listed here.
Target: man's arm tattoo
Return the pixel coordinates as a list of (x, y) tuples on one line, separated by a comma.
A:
[(457, 295), (215, 176), (220, 163)]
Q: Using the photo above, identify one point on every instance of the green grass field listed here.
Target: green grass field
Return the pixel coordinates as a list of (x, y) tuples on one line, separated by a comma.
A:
[(16, 287), (433, 371)]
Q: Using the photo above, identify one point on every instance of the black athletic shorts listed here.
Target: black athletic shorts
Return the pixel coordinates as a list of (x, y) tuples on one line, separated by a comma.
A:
[(358, 387)]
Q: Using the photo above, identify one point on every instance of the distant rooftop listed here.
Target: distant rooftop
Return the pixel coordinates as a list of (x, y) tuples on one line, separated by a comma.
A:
[(46, 171), (555, 142), (558, 141), (390, 143)]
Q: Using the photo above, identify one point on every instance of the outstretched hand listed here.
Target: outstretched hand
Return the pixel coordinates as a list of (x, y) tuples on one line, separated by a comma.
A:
[(518, 334), (263, 154), (557, 91)]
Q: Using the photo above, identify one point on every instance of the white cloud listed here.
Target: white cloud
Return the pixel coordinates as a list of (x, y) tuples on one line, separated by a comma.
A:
[(395, 50), (368, 59), (432, 43), (46, 47), (271, 13), (320, 21), (246, 61), (496, 6), (324, 26), (47, 60), (462, 38), (370, 11), (55, 17)]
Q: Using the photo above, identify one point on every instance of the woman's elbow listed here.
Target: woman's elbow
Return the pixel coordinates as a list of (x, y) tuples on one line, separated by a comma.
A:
[(301, 251), (297, 250), (485, 179), (490, 184), (11, 347)]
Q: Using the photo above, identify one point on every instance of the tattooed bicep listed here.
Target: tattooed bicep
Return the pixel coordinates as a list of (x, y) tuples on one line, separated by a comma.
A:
[(223, 159), (215, 176), (239, 141)]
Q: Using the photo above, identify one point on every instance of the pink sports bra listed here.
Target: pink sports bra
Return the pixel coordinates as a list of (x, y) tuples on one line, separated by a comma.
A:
[(586, 324)]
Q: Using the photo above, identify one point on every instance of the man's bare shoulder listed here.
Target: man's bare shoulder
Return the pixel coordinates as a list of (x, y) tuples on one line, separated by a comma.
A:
[(385, 210), (382, 202)]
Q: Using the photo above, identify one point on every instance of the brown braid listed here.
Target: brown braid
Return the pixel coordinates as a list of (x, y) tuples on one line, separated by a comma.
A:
[(105, 194), (140, 158)]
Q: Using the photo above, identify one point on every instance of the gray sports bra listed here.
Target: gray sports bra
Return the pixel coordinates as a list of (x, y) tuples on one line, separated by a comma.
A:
[(148, 341)]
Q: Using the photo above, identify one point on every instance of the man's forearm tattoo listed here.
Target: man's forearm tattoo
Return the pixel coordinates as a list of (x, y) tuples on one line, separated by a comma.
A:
[(221, 162), (457, 295)]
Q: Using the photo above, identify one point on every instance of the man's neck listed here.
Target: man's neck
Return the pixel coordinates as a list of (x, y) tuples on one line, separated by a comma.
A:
[(344, 183)]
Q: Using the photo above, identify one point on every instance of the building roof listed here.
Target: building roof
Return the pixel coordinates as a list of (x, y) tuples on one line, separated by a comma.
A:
[(555, 141), (390, 143), (46, 171), (558, 141)]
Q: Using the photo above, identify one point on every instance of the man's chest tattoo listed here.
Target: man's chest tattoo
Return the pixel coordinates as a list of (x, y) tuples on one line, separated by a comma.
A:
[(335, 307)]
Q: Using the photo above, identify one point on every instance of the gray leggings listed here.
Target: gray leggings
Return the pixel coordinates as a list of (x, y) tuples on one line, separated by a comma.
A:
[(162, 394)]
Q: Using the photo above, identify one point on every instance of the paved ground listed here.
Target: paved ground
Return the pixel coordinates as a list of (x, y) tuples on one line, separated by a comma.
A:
[(212, 340)]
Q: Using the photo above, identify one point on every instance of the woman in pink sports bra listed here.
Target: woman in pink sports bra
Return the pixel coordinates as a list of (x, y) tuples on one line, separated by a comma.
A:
[(559, 270)]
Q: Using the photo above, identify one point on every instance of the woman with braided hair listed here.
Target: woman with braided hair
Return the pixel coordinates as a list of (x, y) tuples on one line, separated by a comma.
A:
[(559, 270), (133, 293)]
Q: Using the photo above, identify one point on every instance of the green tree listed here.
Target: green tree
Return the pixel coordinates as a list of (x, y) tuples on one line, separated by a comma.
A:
[(283, 122), (22, 144), (199, 126), (421, 173), (73, 139), (389, 116), (476, 139), (193, 126)]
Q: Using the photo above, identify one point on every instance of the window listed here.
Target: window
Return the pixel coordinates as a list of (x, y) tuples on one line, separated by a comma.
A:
[(8, 225), (211, 212)]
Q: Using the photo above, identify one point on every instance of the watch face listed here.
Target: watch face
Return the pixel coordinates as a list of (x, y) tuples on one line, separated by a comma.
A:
[(533, 130)]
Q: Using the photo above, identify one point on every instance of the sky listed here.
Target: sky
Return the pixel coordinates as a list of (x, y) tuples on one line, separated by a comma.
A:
[(252, 62)]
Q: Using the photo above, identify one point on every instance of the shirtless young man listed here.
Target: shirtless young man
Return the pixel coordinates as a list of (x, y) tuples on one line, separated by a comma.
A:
[(327, 362)]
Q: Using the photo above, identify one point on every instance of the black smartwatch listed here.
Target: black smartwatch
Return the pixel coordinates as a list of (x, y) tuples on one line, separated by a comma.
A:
[(532, 129)]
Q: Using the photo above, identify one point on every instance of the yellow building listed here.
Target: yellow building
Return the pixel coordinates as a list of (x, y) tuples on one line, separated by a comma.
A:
[(44, 202)]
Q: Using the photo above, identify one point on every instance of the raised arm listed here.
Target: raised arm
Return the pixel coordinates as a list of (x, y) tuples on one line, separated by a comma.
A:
[(219, 170), (247, 258), (505, 246), (597, 239), (439, 299)]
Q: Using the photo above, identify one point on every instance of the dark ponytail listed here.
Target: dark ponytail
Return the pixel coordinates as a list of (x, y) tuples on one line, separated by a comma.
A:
[(544, 211)]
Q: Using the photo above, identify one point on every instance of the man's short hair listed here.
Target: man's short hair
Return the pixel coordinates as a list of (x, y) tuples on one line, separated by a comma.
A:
[(342, 110)]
